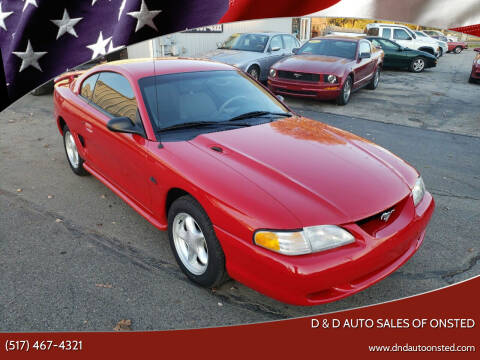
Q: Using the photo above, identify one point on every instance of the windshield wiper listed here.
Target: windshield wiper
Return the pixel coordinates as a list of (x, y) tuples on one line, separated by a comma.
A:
[(198, 124), (256, 114)]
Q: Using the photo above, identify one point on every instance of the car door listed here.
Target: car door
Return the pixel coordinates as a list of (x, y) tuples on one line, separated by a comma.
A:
[(275, 50), (119, 157), (394, 55), (364, 67)]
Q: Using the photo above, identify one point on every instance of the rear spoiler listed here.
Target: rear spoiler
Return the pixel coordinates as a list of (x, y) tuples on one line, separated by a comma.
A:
[(67, 78)]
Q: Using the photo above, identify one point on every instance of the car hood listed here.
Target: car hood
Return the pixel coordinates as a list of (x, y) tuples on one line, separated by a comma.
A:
[(313, 64), (233, 57), (323, 175)]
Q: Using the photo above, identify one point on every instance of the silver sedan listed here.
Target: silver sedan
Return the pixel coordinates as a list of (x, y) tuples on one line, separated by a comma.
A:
[(254, 53)]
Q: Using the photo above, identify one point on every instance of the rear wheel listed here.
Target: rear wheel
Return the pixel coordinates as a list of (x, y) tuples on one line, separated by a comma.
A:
[(346, 92), (440, 52), (457, 50), (375, 80), (74, 159), (417, 65), (471, 80), (194, 243)]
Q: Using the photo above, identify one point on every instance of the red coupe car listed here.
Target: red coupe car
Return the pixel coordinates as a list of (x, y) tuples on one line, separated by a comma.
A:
[(296, 209), (475, 74), (328, 68), (457, 46)]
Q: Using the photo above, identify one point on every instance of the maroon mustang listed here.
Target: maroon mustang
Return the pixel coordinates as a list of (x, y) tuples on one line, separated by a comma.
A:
[(296, 209), (328, 68)]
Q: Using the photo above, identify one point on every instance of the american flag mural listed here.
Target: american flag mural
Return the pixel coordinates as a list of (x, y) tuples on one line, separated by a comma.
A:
[(40, 39)]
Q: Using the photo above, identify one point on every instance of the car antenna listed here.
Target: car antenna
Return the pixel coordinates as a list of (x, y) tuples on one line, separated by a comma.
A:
[(160, 145)]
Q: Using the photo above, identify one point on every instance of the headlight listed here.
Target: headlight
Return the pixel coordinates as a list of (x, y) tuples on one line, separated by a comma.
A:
[(273, 73), (309, 240), (418, 191), (332, 79)]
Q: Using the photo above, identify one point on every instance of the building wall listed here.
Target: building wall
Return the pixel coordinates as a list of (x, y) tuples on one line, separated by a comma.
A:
[(197, 44)]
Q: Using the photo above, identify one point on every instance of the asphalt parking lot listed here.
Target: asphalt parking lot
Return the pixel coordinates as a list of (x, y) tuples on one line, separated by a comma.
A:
[(73, 256)]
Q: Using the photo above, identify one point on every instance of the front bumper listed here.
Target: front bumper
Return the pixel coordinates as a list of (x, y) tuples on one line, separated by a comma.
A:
[(334, 274), (306, 89)]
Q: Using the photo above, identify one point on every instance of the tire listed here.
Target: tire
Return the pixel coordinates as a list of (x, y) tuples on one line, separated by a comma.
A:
[(417, 65), (457, 50), (440, 53), (344, 96), (207, 264), (254, 72), (372, 85), (471, 80), (73, 157)]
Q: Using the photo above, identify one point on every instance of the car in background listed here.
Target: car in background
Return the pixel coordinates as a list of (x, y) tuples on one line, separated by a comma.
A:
[(404, 36), (457, 46), (475, 74), (294, 208), (328, 68), (254, 53), (443, 47), (397, 56)]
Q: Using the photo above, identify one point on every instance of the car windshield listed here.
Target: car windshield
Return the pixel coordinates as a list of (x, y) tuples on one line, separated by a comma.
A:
[(246, 42), (330, 47), (205, 97)]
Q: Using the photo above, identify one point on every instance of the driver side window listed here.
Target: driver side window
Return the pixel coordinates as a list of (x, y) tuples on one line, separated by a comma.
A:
[(400, 34), (276, 42), (115, 96), (365, 47)]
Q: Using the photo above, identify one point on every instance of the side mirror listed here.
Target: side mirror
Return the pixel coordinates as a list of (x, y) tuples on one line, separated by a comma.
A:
[(477, 50), (275, 48), (281, 98), (364, 55), (295, 51), (124, 125)]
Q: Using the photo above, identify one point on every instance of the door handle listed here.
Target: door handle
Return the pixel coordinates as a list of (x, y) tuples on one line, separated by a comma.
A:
[(89, 127)]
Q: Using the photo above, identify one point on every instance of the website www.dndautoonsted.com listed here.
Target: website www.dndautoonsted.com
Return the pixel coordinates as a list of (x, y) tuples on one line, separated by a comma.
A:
[(421, 348)]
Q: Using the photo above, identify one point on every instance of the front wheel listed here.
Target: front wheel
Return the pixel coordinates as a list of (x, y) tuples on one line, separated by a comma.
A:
[(194, 243), (346, 92), (74, 159), (373, 84), (254, 72), (417, 65)]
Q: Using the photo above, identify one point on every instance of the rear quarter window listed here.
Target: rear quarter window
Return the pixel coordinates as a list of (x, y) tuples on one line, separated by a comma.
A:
[(88, 86)]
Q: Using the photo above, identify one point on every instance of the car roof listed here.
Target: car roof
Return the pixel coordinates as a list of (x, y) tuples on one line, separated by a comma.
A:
[(268, 33), (338, 37), (143, 67)]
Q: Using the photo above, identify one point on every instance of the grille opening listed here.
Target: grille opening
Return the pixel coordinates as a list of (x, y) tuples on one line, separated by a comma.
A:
[(298, 76)]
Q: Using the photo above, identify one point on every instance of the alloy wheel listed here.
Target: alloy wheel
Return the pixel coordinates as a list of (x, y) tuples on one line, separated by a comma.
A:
[(418, 65), (190, 243), (71, 148)]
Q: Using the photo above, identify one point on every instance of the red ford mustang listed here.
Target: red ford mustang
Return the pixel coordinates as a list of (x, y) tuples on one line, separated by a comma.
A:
[(328, 68), (296, 209), (475, 74)]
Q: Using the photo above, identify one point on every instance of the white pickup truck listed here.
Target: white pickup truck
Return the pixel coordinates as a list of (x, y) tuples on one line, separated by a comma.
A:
[(404, 36)]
